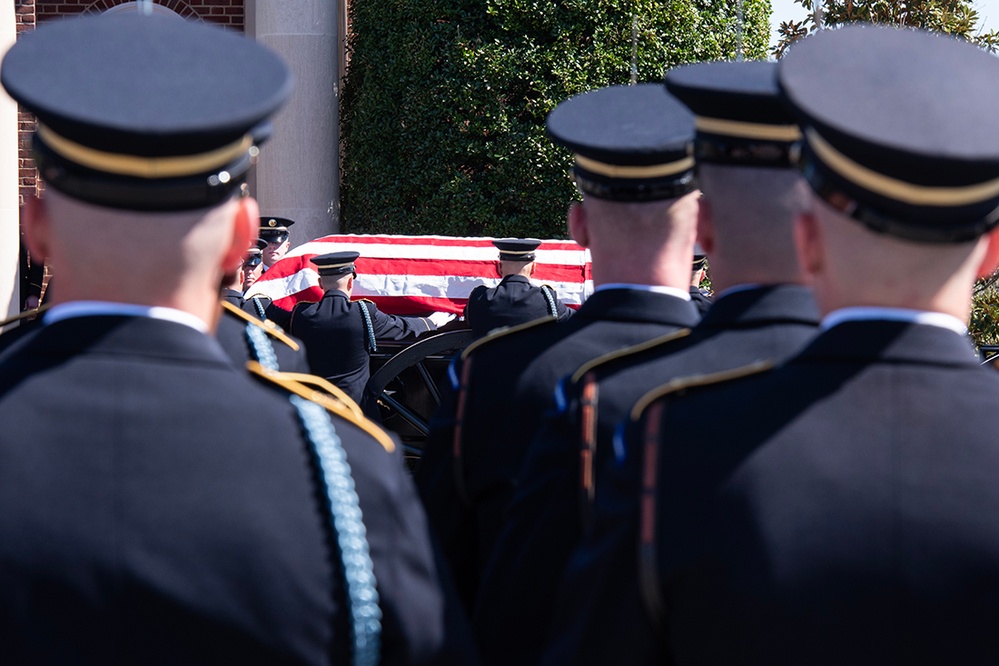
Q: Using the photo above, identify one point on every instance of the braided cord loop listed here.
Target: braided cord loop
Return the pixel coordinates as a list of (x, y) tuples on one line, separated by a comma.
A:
[(552, 308), (368, 326), (259, 307), (348, 529), (261, 347)]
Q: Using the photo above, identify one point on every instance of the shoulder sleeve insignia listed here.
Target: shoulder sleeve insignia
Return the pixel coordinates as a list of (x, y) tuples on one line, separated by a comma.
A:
[(503, 332), (628, 351), (269, 327), (322, 392), (683, 383)]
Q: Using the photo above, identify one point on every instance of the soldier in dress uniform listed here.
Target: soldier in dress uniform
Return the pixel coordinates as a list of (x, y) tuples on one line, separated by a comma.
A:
[(838, 508), (514, 300), (233, 292), (638, 217), (751, 196), (159, 504), (240, 317), (275, 231), (700, 298), (253, 266), (340, 334)]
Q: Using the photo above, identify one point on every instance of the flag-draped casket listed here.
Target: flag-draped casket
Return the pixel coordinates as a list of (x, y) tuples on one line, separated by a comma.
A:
[(420, 274)]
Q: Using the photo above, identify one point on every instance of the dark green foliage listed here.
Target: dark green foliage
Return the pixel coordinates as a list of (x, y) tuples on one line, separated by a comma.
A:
[(444, 104), (955, 17), (984, 325)]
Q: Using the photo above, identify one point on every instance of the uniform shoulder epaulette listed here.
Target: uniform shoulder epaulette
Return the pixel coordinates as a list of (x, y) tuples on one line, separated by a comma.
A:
[(299, 304), (364, 300), (692, 381), (24, 315), (269, 327), (627, 351), (325, 394), (303, 302), (505, 331)]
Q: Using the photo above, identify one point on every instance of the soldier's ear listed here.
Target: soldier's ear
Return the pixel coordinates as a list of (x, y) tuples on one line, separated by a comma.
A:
[(808, 241), (578, 229), (245, 228), (991, 259), (705, 226), (35, 223)]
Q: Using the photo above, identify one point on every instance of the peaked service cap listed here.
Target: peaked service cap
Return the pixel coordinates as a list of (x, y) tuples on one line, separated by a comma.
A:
[(275, 223), (739, 115), (144, 111), (517, 249), (631, 143), (900, 129), (336, 263)]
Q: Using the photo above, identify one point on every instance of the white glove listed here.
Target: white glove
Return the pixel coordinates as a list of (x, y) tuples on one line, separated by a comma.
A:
[(438, 319)]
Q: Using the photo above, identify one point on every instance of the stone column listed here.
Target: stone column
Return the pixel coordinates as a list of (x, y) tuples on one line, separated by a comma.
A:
[(9, 208), (298, 174)]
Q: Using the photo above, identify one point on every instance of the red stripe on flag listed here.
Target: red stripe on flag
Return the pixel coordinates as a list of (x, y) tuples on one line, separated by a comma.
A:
[(292, 267)]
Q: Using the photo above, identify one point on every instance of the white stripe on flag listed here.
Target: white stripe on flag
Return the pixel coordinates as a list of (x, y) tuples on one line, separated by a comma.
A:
[(393, 285), (439, 252), (455, 287)]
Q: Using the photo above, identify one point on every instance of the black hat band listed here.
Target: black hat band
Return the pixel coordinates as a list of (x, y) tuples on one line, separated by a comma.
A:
[(899, 190), (140, 194), (826, 185), (739, 143), (517, 255), (337, 269), (637, 191), (635, 183), (735, 152), (134, 182), (138, 166)]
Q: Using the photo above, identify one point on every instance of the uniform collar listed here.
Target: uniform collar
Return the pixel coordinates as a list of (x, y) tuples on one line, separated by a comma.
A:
[(76, 309), (762, 303), (640, 306), (516, 278), (894, 314), (881, 340), (654, 288)]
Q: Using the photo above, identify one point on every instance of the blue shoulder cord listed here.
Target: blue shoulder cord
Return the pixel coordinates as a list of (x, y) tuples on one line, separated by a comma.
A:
[(348, 527), (344, 510), (547, 291), (259, 307), (368, 326), (261, 348)]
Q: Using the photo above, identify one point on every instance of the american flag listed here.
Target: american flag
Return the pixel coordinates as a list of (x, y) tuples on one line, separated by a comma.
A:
[(419, 274)]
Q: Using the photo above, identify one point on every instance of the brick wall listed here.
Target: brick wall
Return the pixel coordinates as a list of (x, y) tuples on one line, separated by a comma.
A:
[(229, 13), (222, 12), (27, 177)]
